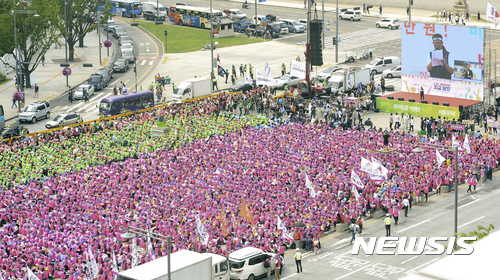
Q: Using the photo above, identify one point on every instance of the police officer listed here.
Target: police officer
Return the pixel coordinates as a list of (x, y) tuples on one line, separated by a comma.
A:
[(298, 260), (283, 69), (174, 87), (387, 225), (233, 78), (214, 83)]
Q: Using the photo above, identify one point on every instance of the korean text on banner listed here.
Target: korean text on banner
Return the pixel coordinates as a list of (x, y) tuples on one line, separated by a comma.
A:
[(366, 165), (265, 80), (298, 69), (202, 231), (355, 180), (286, 233)]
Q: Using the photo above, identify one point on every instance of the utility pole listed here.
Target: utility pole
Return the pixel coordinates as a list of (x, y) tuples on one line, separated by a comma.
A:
[(66, 35), (212, 74), (99, 32), (337, 33), (323, 20), (409, 9)]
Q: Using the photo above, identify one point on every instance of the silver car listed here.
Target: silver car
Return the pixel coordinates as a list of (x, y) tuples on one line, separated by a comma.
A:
[(129, 55), (327, 73), (64, 119), (127, 47), (288, 80), (79, 91), (35, 111), (390, 23), (394, 72)]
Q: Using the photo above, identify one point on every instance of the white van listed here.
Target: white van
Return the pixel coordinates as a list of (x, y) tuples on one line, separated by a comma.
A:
[(220, 267), (248, 263), (283, 26), (378, 65), (151, 6)]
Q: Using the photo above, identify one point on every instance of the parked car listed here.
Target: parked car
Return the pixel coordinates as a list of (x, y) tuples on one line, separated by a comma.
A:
[(64, 119), (327, 73), (184, 4), (288, 80), (110, 25), (283, 27), (248, 263), (259, 18), (379, 65), (294, 26), (351, 15), (390, 23), (394, 72), (153, 15), (119, 31), (35, 111), (9, 132), (124, 40), (303, 22), (129, 55), (121, 65), (242, 86), (234, 13), (79, 91), (127, 47), (241, 25)]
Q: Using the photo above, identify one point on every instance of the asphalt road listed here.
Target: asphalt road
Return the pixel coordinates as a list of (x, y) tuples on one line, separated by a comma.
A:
[(148, 55)]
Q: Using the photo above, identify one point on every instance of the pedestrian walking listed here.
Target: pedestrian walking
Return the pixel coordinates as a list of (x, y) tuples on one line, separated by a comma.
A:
[(241, 70), (85, 95), (214, 83), (227, 75), (277, 269), (387, 222), (43, 60), (283, 69), (316, 245), (218, 58), (37, 91), (13, 101), (121, 87), (71, 94), (380, 9), (115, 90), (370, 50), (233, 78), (406, 204), (354, 228), (267, 265), (395, 213), (124, 89), (298, 260), (360, 222)]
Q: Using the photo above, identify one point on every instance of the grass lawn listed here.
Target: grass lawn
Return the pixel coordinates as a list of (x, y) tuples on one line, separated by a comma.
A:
[(183, 39), (4, 81)]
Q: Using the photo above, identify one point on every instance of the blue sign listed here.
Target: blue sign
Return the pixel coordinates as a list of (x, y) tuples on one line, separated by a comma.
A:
[(262, 0), (328, 29), (339, 39)]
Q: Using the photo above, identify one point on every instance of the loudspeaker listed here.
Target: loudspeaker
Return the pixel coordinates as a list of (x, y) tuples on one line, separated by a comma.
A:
[(390, 97), (460, 108), (423, 101), (411, 100), (401, 98), (435, 103), (446, 104), (377, 110), (316, 27)]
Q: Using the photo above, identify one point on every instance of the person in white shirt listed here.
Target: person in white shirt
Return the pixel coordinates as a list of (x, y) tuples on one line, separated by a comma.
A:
[(406, 204), (412, 123), (397, 121)]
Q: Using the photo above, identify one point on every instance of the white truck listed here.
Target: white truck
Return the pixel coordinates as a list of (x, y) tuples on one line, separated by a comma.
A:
[(338, 80), (151, 6), (184, 265), (192, 88)]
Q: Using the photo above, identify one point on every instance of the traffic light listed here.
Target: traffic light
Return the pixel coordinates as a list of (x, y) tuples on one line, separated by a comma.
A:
[(22, 80), (411, 2), (316, 27), (334, 40), (64, 64), (135, 69)]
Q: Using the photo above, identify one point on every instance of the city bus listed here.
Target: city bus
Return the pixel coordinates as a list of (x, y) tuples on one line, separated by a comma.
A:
[(126, 8), (192, 16), (2, 117), (128, 102)]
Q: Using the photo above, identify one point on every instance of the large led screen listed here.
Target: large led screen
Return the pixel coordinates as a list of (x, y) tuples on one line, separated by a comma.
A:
[(444, 60)]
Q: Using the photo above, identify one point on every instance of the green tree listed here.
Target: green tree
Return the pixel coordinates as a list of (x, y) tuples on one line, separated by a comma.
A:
[(78, 18), (35, 33)]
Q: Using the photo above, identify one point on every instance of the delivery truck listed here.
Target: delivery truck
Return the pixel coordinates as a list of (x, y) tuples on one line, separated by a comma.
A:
[(153, 7), (192, 88), (338, 81), (184, 265)]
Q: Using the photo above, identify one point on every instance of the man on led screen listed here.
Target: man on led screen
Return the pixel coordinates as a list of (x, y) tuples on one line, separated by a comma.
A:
[(468, 74), (438, 67)]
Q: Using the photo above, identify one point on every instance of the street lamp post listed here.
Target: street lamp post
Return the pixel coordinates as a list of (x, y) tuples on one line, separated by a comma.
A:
[(418, 149), (18, 66), (212, 74), (66, 36), (133, 231)]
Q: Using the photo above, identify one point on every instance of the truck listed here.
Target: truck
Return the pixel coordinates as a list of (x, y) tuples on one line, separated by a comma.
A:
[(101, 79), (152, 7), (184, 265), (192, 88), (337, 82)]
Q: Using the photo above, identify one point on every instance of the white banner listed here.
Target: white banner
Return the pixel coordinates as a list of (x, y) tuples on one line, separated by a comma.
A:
[(202, 231), (439, 158), (267, 70), (366, 165), (298, 69), (93, 264), (309, 185), (467, 144), (135, 255), (286, 233), (492, 14), (248, 80), (265, 80), (30, 275), (356, 180), (115, 267), (379, 172), (348, 78), (355, 191), (456, 144), (150, 249)]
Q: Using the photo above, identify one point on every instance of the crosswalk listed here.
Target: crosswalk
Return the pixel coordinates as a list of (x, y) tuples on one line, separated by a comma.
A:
[(85, 109)]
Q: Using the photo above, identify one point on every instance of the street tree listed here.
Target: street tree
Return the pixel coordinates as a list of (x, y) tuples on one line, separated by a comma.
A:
[(77, 18), (35, 33)]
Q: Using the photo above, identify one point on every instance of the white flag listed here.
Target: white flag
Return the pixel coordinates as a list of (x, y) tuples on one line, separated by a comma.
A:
[(492, 14), (298, 69), (348, 78), (356, 180), (1, 275), (261, 79), (286, 233), (248, 80), (366, 165), (379, 172), (267, 70), (30, 275), (115, 267), (150, 249), (467, 144), (439, 158), (355, 191), (93, 264), (135, 255), (202, 231), (309, 185), (456, 144)]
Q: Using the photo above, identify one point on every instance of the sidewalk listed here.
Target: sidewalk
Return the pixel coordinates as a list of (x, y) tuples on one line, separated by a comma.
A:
[(49, 77)]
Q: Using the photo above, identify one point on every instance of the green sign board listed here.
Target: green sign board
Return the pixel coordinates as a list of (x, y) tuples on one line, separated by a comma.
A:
[(417, 109)]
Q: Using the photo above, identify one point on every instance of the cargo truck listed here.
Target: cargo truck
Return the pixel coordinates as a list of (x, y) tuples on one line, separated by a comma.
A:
[(184, 265), (338, 81), (192, 88)]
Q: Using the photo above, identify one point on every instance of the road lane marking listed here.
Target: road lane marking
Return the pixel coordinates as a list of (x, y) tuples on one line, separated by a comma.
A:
[(341, 241), (411, 270), (409, 259), (413, 226), (471, 221), (114, 82), (143, 62), (468, 203), (289, 276), (353, 272), (151, 62)]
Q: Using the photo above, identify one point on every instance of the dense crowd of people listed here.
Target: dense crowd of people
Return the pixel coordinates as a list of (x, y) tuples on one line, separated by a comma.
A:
[(79, 188)]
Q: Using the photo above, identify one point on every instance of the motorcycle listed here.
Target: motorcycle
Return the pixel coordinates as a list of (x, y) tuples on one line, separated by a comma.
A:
[(209, 46), (349, 58), (364, 55), (245, 6)]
